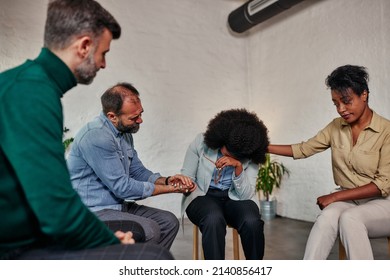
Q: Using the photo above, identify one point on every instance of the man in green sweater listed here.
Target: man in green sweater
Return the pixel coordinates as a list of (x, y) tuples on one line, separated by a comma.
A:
[(42, 217)]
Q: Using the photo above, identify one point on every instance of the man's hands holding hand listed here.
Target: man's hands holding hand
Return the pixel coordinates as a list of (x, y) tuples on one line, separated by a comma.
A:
[(182, 184)]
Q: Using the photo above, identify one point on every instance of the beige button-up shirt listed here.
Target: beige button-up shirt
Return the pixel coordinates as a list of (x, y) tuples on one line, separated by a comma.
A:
[(354, 166)]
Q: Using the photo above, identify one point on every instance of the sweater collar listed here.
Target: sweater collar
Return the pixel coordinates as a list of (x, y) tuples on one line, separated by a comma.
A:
[(57, 70)]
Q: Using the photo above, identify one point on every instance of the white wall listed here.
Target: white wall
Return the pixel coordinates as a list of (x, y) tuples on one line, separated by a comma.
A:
[(188, 66), (290, 57), (178, 53)]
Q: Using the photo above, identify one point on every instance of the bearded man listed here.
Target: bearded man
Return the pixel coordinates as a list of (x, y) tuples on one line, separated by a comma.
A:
[(109, 176)]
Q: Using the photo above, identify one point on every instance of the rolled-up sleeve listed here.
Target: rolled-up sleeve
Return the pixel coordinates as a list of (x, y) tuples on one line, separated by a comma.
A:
[(382, 175), (314, 145)]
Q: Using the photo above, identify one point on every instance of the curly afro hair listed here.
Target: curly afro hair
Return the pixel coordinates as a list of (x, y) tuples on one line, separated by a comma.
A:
[(242, 133)]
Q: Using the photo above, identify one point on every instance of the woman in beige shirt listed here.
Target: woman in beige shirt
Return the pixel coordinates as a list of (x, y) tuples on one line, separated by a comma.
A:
[(360, 145)]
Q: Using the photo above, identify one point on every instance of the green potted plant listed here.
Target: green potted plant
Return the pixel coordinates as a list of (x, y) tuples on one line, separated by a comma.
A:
[(269, 176), (66, 142)]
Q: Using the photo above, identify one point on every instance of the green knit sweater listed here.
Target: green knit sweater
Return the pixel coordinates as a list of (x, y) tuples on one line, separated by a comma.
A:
[(38, 206)]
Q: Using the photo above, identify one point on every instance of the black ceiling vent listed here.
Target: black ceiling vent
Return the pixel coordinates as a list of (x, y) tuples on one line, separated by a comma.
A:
[(256, 11)]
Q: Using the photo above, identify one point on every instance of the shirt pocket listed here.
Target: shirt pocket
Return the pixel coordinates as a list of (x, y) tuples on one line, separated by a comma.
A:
[(366, 162), (121, 155), (129, 156)]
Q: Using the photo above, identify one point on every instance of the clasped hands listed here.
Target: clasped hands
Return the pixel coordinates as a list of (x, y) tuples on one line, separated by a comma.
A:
[(125, 237), (182, 184)]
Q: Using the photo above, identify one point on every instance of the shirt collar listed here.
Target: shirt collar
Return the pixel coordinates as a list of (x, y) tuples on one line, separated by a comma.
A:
[(374, 124), (57, 70)]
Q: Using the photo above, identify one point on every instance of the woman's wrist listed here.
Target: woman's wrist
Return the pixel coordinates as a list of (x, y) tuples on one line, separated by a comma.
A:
[(238, 169)]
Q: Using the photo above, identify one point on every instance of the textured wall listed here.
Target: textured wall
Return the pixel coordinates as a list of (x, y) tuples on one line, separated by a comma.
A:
[(188, 66), (178, 53), (290, 57)]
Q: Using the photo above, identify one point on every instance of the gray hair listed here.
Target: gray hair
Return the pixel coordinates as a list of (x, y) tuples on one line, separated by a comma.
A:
[(67, 19)]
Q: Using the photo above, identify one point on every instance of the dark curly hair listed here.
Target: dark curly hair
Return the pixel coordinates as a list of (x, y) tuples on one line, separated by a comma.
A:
[(242, 133), (348, 77)]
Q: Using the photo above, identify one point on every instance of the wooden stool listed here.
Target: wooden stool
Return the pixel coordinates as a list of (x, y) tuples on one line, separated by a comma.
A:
[(195, 244), (343, 254)]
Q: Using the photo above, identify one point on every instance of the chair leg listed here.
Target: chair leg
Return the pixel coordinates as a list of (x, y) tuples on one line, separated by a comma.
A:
[(195, 245), (342, 254), (236, 249), (388, 244)]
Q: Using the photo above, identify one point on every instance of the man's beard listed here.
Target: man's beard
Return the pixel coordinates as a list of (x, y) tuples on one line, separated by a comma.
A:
[(127, 128), (86, 71)]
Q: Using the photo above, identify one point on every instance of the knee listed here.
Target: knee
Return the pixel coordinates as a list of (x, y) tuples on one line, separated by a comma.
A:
[(213, 220), (349, 219), (171, 221), (175, 223), (152, 232), (329, 218), (251, 225)]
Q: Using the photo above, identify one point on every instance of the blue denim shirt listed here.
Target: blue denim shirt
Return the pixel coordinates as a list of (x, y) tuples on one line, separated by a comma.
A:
[(104, 167)]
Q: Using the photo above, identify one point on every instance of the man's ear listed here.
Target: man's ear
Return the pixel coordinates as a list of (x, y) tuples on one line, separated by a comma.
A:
[(112, 117), (84, 46)]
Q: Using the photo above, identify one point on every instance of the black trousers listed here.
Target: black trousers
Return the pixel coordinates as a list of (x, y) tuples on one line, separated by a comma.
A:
[(214, 211)]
